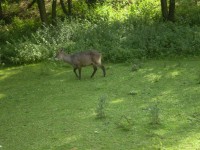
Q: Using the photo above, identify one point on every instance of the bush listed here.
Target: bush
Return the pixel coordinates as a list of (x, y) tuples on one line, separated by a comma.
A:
[(118, 41), (122, 31), (186, 10)]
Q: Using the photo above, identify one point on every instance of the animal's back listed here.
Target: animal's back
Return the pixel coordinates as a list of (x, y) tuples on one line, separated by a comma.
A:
[(86, 58)]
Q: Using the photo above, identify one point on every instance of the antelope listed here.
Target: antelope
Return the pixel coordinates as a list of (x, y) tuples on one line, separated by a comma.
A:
[(82, 59)]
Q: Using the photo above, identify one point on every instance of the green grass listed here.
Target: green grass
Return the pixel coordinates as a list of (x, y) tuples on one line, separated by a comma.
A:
[(43, 106)]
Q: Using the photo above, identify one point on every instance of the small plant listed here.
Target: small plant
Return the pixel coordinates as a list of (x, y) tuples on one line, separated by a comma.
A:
[(156, 79), (134, 67), (125, 123), (154, 115), (101, 108), (133, 92)]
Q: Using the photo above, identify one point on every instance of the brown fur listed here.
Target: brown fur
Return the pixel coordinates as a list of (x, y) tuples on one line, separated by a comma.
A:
[(82, 59)]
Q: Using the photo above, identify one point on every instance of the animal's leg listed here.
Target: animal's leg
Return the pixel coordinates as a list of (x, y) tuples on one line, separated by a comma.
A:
[(79, 70), (75, 72), (95, 69), (103, 69)]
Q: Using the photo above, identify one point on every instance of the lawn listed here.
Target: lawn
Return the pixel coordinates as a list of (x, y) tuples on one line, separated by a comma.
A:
[(44, 107)]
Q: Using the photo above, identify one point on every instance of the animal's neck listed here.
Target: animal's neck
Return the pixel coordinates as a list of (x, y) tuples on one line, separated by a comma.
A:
[(67, 58)]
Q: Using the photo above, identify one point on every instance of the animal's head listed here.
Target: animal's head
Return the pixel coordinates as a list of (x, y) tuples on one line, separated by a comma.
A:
[(60, 54)]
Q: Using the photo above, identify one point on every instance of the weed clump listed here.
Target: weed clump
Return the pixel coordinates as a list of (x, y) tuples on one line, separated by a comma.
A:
[(101, 108), (133, 92), (154, 115), (125, 123)]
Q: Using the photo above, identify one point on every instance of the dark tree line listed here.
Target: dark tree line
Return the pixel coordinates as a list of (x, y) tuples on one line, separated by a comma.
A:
[(167, 8), (168, 12), (68, 11), (42, 9)]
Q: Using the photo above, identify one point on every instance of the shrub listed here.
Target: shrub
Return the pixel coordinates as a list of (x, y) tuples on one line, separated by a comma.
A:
[(118, 41), (101, 108), (185, 12), (121, 35), (125, 123), (154, 115)]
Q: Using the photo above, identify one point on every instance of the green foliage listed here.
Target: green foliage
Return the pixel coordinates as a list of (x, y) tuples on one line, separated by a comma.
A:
[(147, 10), (118, 41), (121, 30), (25, 52), (186, 10)]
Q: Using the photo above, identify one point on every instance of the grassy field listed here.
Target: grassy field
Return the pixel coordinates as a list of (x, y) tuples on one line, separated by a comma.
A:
[(43, 106)]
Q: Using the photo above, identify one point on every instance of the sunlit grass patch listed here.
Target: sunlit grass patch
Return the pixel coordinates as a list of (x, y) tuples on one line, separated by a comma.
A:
[(116, 101), (153, 77), (2, 96), (6, 73)]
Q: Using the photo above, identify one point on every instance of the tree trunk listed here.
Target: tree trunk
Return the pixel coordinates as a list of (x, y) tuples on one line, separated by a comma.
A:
[(54, 12), (164, 9), (1, 11), (69, 3), (171, 10), (42, 10), (63, 7), (196, 2)]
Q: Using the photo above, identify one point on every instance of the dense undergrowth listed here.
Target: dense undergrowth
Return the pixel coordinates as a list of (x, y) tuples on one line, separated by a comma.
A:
[(119, 41), (121, 32)]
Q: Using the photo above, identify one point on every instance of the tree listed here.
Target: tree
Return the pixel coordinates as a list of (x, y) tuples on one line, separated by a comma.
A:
[(164, 9), (1, 11), (168, 14), (171, 10), (69, 4), (54, 12), (42, 10), (63, 7)]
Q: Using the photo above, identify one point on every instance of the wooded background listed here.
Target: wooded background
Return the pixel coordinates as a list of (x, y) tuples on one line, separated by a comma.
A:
[(137, 28)]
